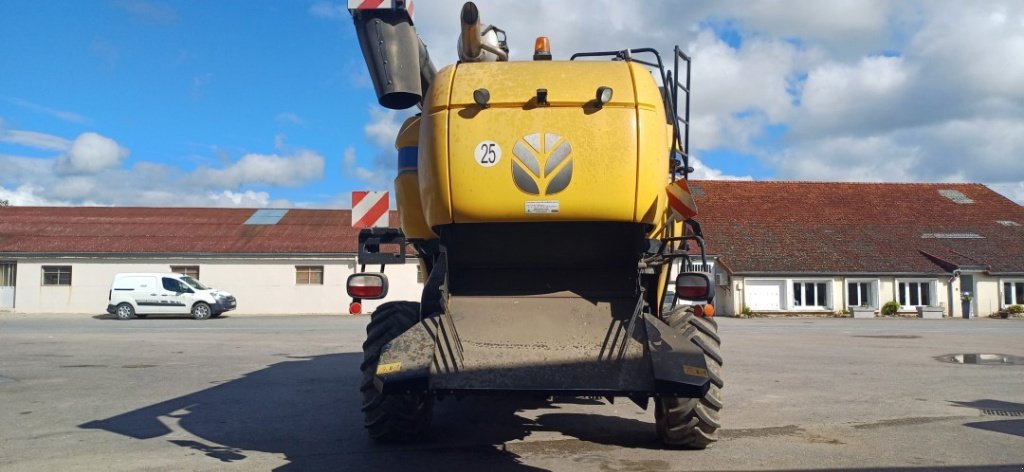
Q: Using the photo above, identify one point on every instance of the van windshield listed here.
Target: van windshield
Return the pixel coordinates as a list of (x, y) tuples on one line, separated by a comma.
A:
[(194, 283)]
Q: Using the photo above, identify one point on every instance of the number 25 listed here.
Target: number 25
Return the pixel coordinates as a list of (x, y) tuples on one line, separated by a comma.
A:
[(488, 156)]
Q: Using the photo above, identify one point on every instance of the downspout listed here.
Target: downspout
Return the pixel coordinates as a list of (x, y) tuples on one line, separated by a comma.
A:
[(949, 290)]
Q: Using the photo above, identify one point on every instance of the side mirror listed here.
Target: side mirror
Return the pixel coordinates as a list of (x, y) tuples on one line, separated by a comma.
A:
[(695, 287), (367, 285)]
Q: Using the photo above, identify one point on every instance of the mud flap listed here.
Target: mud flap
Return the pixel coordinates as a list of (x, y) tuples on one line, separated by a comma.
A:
[(405, 362), (680, 369)]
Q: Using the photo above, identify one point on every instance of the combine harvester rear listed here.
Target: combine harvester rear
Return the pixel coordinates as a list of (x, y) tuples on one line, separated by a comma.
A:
[(536, 196)]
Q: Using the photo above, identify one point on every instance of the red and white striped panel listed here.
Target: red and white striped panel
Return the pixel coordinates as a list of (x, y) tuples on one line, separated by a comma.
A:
[(680, 200), (370, 209), (382, 5), (369, 4)]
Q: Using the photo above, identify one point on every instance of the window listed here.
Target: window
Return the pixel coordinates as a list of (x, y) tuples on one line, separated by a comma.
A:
[(810, 294), (309, 275), (1013, 292), (173, 285), (191, 271), (56, 275), (913, 293), (861, 293)]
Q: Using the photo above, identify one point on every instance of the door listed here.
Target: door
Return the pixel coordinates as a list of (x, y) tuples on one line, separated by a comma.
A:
[(764, 295), (967, 286), (8, 274), (174, 296)]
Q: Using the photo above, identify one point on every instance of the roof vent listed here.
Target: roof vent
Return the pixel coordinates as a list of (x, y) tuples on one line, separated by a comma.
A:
[(266, 217), (955, 195), (951, 236), (1008, 222)]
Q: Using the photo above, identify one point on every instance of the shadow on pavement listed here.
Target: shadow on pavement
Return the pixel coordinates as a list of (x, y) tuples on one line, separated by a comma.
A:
[(997, 408), (308, 411)]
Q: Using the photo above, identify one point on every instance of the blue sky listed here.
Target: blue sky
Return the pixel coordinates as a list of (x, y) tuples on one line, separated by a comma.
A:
[(267, 103)]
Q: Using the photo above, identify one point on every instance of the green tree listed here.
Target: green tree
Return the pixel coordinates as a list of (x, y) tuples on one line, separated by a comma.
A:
[(4, 203)]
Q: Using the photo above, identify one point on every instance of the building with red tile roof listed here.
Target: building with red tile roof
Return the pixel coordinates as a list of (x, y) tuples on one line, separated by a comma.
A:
[(828, 246), (805, 247), (63, 259)]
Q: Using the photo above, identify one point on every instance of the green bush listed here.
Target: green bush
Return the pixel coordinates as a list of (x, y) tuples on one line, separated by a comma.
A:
[(890, 308), (1015, 309)]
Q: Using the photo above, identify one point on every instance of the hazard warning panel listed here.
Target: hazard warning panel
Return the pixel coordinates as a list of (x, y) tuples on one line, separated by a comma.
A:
[(680, 200), (370, 209)]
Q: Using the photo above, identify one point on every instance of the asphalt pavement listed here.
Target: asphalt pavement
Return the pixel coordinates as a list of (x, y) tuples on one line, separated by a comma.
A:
[(79, 392)]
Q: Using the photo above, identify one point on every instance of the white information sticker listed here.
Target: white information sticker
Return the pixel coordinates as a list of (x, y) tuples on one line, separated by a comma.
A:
[(487, 153), (542, 207)]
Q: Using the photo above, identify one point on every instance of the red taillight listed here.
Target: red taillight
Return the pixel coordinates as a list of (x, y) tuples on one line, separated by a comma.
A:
[(367, 285), (365, 291), (694, 286), (355, 308), (689, 293)]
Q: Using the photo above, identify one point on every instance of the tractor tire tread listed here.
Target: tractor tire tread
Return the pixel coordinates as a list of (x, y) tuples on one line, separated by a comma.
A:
[(693, 422), (391, 418)]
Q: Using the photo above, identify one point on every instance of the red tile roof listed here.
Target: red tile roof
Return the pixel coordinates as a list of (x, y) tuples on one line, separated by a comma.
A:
[(76, 230), (756, 227), (828, 227)]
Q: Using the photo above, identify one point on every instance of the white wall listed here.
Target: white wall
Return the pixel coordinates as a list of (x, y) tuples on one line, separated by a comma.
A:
[(987, 291), (262, 286)]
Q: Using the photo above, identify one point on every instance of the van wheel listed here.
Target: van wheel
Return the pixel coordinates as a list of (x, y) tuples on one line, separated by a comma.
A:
[(125, 311), (201, 311)]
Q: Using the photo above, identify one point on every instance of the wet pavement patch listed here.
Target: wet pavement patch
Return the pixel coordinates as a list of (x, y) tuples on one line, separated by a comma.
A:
[(4, 380), (890, 336), (982, 359)]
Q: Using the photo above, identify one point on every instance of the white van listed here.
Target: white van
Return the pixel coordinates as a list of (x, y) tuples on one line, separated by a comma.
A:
[(134, 295)]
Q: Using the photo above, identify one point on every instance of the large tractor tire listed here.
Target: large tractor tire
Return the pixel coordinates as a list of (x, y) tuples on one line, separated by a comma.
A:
[(693, 422), (391, 418)]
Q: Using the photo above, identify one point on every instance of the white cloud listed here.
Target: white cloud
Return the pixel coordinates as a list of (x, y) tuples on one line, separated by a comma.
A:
[(60, 114), (90, 153), (379, 179), (329, 10), (33, 139), (28, 195), (145, 184), (383, 127), (703, 172), (289, 117), (269, 169), (1013, 191)]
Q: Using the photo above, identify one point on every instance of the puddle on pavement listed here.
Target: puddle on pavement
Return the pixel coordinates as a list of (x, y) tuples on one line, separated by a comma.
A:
[(982, 359), (4, 380)]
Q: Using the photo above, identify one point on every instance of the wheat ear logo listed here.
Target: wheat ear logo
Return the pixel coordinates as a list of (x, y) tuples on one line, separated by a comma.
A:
[(542, 164)]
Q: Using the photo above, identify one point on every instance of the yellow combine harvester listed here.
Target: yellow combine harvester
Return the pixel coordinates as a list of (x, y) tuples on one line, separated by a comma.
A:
[(534, 194)]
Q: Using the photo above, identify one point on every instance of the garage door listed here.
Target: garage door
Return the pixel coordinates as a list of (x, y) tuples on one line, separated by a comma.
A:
[(764, 295)]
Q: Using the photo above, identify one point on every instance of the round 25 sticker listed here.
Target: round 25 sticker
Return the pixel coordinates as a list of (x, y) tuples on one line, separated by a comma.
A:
[(487, 153)]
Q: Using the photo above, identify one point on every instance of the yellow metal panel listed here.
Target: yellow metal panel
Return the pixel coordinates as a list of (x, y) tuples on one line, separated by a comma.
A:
[(652, 167), (603, 154), (440, 90), (409, 133), (567, 82), (407, 193), (433, 169), (652, 164), (432, 164), (648, 95)]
